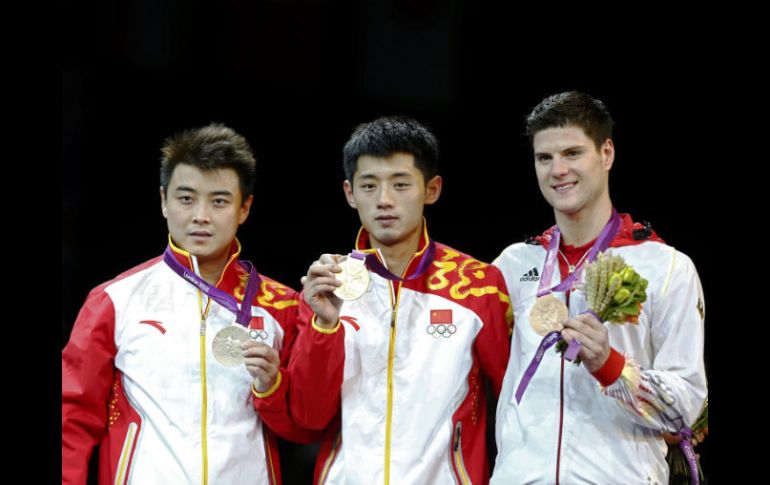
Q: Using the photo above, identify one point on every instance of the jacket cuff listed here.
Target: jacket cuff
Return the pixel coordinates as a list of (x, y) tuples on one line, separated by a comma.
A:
[(270, 391), (325, 330), (611, 370)]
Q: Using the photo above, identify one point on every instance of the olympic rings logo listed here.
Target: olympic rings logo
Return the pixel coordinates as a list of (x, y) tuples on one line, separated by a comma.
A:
[(441, 330), (257, 335)]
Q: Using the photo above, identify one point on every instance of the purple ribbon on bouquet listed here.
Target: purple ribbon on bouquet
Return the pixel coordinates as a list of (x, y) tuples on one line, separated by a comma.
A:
[(689, 453), (602, 242), (242, 314)]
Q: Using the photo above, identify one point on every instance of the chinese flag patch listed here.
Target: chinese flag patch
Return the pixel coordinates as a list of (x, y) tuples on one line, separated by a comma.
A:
[(257, 323), (440, 316)]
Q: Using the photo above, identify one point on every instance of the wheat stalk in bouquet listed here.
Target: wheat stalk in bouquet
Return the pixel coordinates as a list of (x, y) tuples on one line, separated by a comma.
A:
[(614, 292)]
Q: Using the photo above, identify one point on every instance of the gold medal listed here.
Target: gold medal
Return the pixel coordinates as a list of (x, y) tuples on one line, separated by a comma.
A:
[(226, 346), (547, 314), (354, 278)]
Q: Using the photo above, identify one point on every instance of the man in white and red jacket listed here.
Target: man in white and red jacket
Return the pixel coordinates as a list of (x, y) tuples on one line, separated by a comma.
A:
[(138, 375), (601, 422), (397, 370)]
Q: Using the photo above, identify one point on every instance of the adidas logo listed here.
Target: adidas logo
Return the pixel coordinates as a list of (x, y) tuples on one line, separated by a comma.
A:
[(531, 275)]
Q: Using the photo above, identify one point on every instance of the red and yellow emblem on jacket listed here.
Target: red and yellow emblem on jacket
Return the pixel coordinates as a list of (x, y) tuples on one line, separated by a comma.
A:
[(465, 280)]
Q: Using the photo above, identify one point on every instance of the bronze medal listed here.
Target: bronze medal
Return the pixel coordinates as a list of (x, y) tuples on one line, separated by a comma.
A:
[(547, 314)]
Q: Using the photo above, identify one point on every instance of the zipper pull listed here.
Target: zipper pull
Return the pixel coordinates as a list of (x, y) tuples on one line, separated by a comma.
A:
[(458, 428), (394, 300)]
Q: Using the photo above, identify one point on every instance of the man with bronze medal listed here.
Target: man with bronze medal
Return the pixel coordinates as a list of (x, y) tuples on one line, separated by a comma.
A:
[(401, 404), (603, 420), (174, 367)]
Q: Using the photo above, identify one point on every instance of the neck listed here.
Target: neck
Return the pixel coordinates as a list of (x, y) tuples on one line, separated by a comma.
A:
[(211, 277), (211, 270), (583, 226), (398, 255)]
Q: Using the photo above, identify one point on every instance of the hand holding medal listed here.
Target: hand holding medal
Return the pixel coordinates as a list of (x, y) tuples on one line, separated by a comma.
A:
[(332, 279), (262, 362)]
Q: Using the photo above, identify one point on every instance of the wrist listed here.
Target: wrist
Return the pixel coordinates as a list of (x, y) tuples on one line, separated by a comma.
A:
[(609, 372)]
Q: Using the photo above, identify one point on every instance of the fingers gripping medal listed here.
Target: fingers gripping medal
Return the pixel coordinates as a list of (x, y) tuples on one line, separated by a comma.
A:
[(354, 277), (226, 346), (547, 314)]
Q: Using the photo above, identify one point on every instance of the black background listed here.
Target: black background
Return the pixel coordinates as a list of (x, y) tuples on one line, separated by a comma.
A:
[(295, 77)]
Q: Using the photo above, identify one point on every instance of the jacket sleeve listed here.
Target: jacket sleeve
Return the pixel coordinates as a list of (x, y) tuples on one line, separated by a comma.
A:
[(87, 374), (273, 404), (316, 367), (493, 344), (273, 408), (669, 395)]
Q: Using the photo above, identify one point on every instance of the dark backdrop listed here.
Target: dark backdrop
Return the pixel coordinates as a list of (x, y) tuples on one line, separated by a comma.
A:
[(295, 77)]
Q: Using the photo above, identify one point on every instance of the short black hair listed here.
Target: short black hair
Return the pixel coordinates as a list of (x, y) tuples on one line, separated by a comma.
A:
[(389, 135), (210, 147)]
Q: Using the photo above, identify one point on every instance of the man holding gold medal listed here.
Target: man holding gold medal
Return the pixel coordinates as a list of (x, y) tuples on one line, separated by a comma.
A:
[(171, 365), (639, 375), (394, 336)]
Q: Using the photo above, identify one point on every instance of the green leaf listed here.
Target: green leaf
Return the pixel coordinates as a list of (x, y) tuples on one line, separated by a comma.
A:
[(632, 309)]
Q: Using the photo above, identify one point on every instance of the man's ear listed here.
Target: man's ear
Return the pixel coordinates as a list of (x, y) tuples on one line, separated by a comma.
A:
[(163, 208), (347, 187), (608, 154), (433, 189), (244, 209)]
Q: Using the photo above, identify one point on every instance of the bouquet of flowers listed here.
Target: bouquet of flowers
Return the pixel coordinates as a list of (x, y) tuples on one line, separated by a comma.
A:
[(677, 463), (614, 292)]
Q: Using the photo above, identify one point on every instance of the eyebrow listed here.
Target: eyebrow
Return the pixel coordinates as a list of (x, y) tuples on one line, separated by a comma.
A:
[(573, 147), (221, 192), (369, 176), (184, 188)]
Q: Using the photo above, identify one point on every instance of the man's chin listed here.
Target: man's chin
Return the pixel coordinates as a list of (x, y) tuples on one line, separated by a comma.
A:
[(566, 208), (387, 238)]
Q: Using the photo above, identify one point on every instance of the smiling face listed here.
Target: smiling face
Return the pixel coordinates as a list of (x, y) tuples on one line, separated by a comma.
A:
[(390, 194), (572, 174), (203, 210)]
